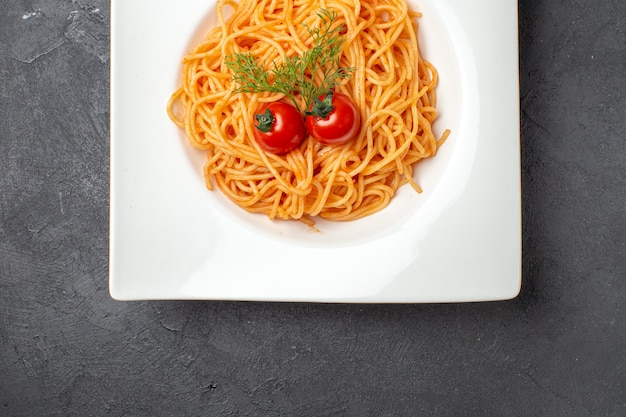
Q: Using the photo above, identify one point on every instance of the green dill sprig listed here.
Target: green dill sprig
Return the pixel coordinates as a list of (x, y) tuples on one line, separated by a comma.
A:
[(324, 55), (252, 78), (296, 74)]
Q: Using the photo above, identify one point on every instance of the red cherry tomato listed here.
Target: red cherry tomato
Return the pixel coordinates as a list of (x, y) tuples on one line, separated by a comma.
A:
[(279, 127), (333, 119)]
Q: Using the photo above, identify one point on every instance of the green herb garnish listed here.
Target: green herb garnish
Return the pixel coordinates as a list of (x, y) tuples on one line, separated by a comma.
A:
[(295, 75)]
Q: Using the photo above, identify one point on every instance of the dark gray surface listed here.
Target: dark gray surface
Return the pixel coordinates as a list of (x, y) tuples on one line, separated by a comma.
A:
[(67, 349)]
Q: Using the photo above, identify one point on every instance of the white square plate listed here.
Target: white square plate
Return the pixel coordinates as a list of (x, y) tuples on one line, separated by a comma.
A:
[(460, 240)]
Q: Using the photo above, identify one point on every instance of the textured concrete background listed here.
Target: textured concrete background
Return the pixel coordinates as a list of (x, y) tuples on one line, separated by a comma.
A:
[(67, 349)]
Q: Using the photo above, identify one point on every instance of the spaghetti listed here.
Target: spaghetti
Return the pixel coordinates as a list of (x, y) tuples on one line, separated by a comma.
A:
[(392, 85)]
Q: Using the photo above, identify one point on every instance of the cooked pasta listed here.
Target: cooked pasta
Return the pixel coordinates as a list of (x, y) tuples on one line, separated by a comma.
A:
[(391, 84)]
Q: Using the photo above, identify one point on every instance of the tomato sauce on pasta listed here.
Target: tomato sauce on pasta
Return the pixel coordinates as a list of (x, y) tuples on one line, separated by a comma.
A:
[(392, 85)]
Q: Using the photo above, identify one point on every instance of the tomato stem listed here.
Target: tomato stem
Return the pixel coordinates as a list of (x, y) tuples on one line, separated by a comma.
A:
[(264, 121), (322, 108)]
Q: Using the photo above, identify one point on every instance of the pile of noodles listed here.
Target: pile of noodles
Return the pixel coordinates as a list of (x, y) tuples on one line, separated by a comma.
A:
[(392, 85)]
